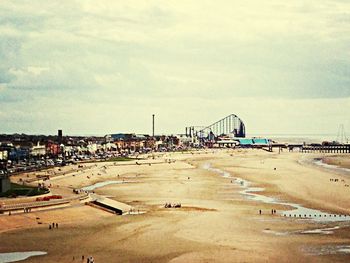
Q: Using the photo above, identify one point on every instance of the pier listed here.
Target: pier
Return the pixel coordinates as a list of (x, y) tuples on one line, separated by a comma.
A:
[(343, 148)]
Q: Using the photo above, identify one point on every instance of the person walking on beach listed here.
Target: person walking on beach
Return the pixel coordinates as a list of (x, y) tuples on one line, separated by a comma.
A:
[(260, 212)]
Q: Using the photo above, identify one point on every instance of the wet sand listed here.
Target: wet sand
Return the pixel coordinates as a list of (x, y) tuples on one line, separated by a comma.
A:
[(338, 160), (216, 223)]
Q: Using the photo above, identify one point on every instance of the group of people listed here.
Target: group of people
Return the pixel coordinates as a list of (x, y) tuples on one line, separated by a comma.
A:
[(27, 210), (273, 212), (169, 205), (133, 211), (89, 259), (53, 225), (337, 180)]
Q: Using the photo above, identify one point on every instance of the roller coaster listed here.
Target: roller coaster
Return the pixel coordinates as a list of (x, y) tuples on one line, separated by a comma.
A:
[(231, 126)]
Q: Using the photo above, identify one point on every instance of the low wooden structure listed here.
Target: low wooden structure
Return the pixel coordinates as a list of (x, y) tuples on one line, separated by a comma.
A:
[(112, 205)]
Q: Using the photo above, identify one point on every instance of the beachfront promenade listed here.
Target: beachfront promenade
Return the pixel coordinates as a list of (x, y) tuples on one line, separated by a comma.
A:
[(24, 206)]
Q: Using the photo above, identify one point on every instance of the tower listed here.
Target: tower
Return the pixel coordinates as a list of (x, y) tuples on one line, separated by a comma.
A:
[(59, 136)]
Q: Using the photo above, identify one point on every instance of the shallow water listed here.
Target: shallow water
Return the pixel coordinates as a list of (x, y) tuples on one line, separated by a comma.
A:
[(328, 250), (322, 231), (330, 166), (276, 233), (102, 184), (317, 231), (298, 211), (18, 256)]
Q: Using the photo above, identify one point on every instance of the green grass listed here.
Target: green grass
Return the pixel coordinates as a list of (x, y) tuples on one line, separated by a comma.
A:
[(23, 190)]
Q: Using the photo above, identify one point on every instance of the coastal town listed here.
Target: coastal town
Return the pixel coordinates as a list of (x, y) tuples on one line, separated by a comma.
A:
[(174, 131), (180, 189), (27, 153), (51, 181)]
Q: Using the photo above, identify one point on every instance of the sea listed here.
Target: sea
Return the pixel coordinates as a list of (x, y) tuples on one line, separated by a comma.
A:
[(298, 138)]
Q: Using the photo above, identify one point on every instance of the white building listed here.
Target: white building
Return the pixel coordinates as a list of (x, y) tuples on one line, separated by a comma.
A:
[(38, 150)]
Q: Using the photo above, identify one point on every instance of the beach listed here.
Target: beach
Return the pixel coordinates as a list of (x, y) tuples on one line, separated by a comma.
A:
[(341, 161), (227, 198)]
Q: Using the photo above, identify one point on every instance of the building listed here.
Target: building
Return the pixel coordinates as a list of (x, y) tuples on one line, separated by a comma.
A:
[(253, 142), (59, 136), (130, 142), (53, 149), (5, 183), (3, 155), (38, 150)]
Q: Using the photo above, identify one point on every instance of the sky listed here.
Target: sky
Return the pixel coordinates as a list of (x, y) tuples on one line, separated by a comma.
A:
[(100, 67)]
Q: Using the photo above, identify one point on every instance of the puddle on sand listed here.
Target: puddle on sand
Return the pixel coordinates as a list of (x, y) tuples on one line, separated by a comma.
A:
[(327, 250), (18, 256), (322, 231), (319, 162), (276, 233), (101, 184), (298, 211), (317, 231)]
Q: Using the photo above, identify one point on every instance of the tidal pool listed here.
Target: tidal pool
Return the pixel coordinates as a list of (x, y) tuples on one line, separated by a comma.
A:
[(102, 184), (18, 256), (298, 210), (319, 162)]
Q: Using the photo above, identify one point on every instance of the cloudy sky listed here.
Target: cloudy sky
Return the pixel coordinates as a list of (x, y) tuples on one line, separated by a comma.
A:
[(96, 67)]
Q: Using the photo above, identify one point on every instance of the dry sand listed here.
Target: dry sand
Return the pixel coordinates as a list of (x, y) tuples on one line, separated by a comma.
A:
[(215, 224)]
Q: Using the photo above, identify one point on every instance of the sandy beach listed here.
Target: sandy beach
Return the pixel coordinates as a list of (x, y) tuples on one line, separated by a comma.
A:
[(218, 220)]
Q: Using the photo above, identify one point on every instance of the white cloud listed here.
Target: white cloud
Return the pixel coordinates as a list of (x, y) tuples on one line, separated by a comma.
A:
[(107, 66)]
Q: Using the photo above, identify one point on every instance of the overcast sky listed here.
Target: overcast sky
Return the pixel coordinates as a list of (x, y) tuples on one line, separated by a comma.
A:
[(98, 67)]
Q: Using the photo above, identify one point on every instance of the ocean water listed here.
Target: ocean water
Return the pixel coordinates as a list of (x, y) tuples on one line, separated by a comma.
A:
[(298, 138)]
